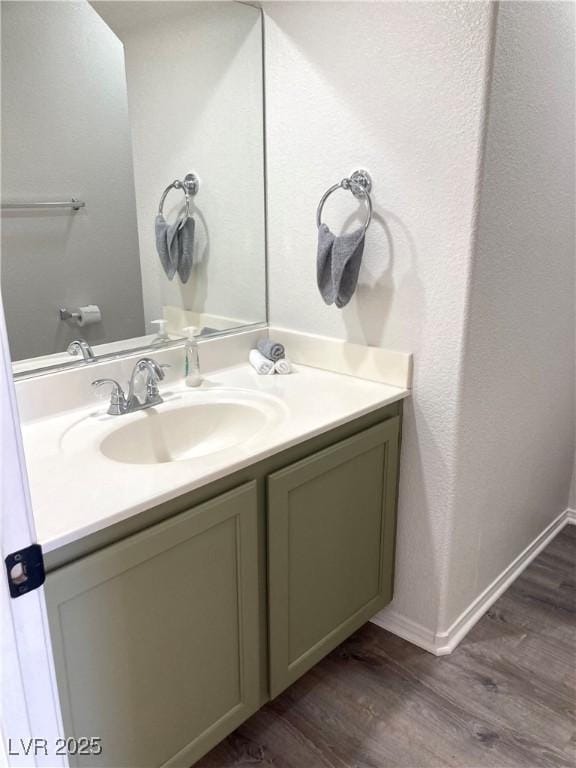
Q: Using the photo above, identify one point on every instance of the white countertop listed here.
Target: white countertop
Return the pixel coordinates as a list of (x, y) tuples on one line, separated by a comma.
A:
[(79, 491)]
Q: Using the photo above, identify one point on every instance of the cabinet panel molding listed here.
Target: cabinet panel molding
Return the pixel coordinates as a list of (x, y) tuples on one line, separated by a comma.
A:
[(156, 638), (331, 531)]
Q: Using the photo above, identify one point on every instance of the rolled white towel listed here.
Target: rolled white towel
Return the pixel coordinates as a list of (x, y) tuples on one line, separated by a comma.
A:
[(283, 366), (261, 364)]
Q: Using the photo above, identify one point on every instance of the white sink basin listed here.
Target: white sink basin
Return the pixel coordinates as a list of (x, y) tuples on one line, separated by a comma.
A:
[(186, 426)]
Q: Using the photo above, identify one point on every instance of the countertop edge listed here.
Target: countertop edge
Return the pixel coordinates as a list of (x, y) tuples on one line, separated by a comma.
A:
[(55, 543)]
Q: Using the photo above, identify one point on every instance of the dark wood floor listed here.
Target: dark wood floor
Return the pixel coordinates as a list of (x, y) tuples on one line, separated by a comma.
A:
[(505, 697)]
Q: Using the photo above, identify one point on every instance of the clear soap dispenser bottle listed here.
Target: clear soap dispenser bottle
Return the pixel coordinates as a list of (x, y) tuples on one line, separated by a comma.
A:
[(192, 375), (161, 335)]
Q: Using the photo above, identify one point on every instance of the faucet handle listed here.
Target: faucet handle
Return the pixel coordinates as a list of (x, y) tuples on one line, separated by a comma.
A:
[(152, 388), (158, 376), (117, 398)]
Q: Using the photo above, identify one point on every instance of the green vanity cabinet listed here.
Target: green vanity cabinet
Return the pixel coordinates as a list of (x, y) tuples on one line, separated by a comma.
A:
[(167, 636), (156, 637), (331, 530)]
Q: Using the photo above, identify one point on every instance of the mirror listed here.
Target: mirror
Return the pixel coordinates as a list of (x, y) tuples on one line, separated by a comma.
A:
[(108, 104)]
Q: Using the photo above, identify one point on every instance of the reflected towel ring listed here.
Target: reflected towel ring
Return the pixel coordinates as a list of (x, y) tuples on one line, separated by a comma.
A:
[(189, 185), (360, 184)]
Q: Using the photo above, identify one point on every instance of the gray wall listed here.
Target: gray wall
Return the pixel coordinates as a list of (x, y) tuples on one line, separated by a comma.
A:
[(485, 303), (65, 133), (408, 109), (516, 436), (212, 52)]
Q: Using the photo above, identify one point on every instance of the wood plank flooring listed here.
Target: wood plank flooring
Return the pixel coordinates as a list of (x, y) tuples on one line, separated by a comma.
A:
[(505, 697)]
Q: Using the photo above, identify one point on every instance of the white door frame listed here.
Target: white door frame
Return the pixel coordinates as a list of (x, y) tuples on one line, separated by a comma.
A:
[(29, 705)]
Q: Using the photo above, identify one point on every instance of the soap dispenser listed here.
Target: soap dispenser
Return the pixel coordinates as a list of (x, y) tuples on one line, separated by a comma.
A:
[(161, 335), (192, 374)]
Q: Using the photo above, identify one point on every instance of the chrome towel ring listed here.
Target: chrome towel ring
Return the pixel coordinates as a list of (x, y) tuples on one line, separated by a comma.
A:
[(189, 185), (360, 184)]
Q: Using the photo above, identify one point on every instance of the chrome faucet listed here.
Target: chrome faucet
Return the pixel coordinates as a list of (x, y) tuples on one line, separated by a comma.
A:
[(121, 403), (79, 346)]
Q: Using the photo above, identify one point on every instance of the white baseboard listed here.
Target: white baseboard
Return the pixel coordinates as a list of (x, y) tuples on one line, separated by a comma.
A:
[(443, 643), (407, 629)]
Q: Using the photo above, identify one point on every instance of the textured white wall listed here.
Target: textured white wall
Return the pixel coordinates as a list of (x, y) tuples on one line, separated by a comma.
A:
[(572, 503), (194, 74), (396, 88), (516, 434), (65, 134)]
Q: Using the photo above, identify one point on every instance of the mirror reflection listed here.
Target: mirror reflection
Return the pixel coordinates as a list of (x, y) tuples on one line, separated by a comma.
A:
[(132, 174)]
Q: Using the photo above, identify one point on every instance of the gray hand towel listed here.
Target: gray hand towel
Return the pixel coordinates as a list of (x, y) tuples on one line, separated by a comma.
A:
[(270, 349), (338, 264), (167, 244), (186, 249)]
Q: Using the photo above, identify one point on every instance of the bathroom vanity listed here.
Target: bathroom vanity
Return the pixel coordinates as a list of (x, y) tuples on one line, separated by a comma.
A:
[(174, 619), (204, 552)]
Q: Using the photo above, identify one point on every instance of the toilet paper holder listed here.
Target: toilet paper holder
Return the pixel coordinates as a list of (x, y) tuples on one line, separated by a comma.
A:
[(81, 315), (69, 314)]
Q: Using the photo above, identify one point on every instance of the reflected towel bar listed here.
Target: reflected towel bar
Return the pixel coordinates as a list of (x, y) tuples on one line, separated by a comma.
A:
[(74, 204), (190, 186)]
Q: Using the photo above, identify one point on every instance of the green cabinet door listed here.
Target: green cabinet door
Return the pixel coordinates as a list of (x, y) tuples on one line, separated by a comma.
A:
[(331, 531), (156, 638)]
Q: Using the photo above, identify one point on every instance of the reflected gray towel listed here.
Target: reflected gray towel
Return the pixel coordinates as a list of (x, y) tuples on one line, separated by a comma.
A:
[(270, 349), (167, 244), (175, 246), (338, 264), (186, 249)]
